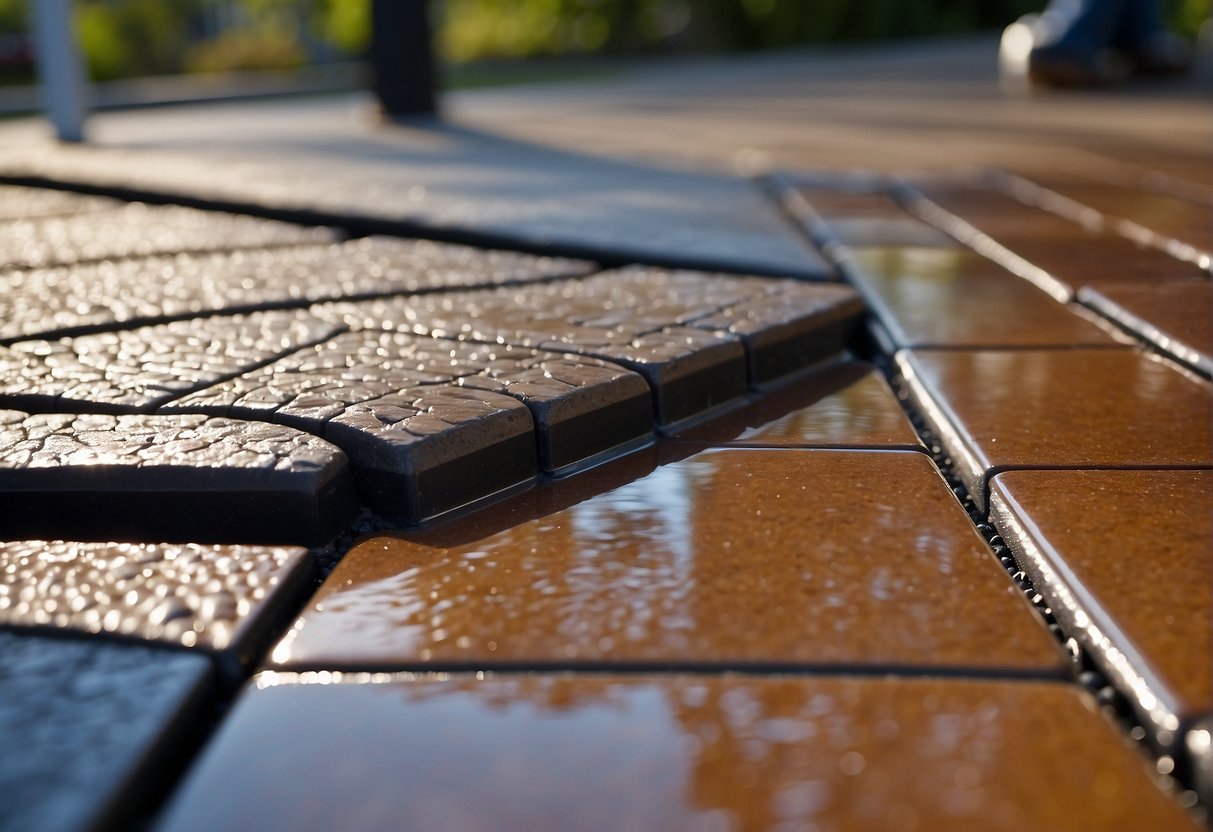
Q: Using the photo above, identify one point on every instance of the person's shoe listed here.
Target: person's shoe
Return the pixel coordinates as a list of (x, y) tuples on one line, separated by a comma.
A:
[(1057, 66), (1163, 53)]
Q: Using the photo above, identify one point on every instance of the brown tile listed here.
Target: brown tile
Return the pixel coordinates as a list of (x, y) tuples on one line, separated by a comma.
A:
[(1175, 316), (846, 405), (997, 410), (1124, 559), (222, 599), (932, 297), (857, 218), (669, 752), (727, 558)]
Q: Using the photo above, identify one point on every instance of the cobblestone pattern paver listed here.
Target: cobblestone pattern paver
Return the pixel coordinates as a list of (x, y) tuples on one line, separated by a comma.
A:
[(696, 338), (87, 726), (68, 299), (581, 407), (217, 598), (603, 752), (175, 478), (136, 230), (18, 202), (136, 370)]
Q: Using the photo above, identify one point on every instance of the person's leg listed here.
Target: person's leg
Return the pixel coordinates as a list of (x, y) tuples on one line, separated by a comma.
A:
[(1142, 33)]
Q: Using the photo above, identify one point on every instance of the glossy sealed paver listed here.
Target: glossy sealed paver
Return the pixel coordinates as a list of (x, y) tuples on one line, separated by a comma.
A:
[(668, 752), (168, 478), (845, 405), (222, 599), (997, 410), (1174, 316), (582, 408), (1124, 559), (835, 216), (137, 230), (89, 727), (78, 298), (18, 202), (951, 297), (730, 558), (136, 370)]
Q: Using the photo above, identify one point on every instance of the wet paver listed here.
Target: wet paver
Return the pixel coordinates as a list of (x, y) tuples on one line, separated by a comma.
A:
[(697, 338), (1174, 316), (1123, 558), (168, 478), (858, 212), (730, 558), (669, 752), (18, 202), (137, 370), (222, 599), (955, 298), (89, 727), (582, 408), (136, 230), (997, 410), (844, 405), (70, 299)]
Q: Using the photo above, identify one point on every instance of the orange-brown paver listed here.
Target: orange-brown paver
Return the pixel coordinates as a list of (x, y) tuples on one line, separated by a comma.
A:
[(1174, 316)]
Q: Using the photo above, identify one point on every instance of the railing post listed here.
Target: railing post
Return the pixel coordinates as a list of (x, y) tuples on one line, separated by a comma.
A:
[(60, 69), (402, 57)]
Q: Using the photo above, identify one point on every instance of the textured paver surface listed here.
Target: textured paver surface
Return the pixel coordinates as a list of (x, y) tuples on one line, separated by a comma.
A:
[(800, 441)]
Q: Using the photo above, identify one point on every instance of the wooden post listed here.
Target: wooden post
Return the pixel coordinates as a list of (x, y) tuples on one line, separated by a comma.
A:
[(402, 57), (60, 69)]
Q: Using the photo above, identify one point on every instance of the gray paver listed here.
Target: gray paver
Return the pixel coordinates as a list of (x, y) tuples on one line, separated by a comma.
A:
[(168, 478), (136, 230), (85, 725), (220, 599), (135, 370)]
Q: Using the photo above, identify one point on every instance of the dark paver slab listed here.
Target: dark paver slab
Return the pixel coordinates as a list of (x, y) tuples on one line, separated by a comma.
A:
[(222, 599), (87, 726), (997, 410), (858, 213), (581, 408), (137, 230), (137, 370), (851, 546), (20, 203), (697, 338), (670, 752), (1058, 254), (951, 297), (1123, 558), (168, 478), (845, 405), (66, 300), (1174, 316)]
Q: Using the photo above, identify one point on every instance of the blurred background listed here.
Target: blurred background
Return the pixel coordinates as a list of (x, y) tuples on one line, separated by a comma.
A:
[(484, 41)]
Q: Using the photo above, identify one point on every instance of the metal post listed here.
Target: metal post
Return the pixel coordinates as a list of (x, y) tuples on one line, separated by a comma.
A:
[(60, 69), (402, 57)]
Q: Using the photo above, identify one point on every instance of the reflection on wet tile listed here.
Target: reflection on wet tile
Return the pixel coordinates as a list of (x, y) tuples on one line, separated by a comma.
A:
[(672, 752), (846, 405), (728, 558), (135, 370), (169, 478), (217, 598), (18, 202), (859, 218), (87, 727), (66, 300), (1124, 559), (1175, 316), (137, 230), (995, 410), (957, 298)]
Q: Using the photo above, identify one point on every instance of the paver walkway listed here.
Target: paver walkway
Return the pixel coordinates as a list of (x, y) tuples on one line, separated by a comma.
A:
[(648, 495)]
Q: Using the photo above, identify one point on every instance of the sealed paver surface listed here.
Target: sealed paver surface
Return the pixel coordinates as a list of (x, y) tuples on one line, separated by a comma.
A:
[(1124, 559), (88, 727), (1176, 317), (663, 571), (995, 410), (669, 752)]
